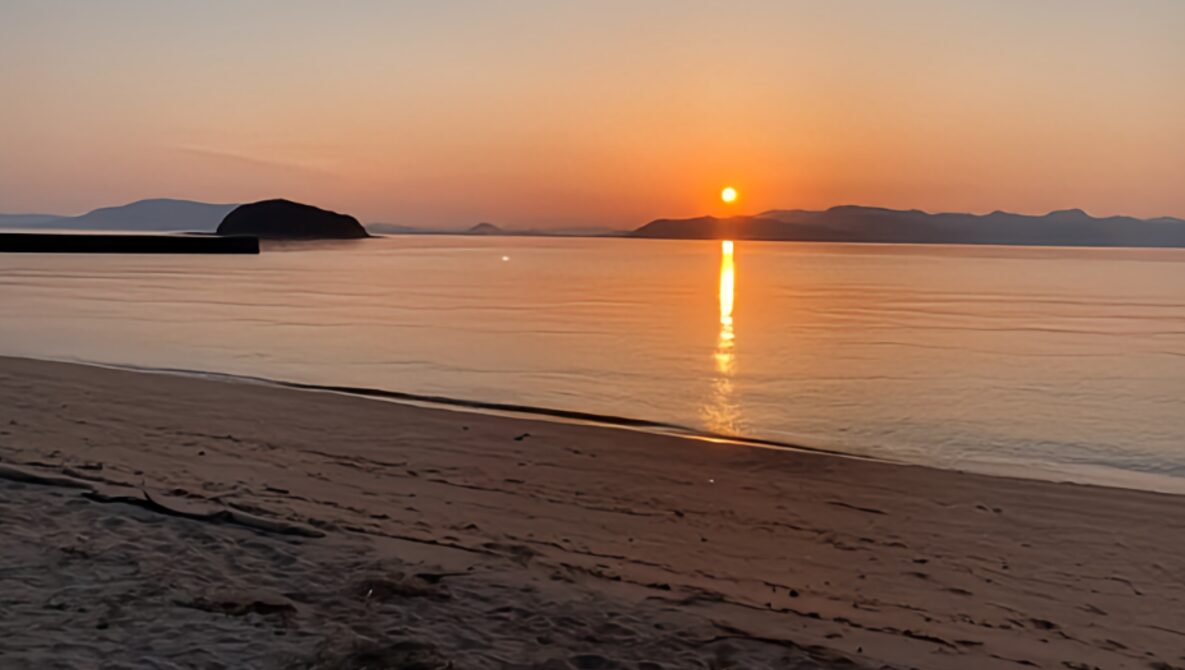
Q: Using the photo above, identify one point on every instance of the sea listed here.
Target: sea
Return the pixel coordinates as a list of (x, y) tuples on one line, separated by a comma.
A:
[(1054, 363)]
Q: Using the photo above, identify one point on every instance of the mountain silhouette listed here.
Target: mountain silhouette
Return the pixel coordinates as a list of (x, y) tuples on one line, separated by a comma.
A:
[(157, 215), (285, 219), (484, 228), (852, 223)]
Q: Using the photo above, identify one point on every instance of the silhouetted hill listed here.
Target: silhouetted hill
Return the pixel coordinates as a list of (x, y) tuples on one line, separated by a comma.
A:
[(849, 223), (484, 229), (158, 215), (284, 219)]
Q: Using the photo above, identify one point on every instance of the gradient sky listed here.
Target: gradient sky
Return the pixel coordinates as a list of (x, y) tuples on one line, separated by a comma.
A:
[(555, 113)]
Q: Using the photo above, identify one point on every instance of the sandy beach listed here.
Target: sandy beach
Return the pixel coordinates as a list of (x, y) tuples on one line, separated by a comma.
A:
[(156, 521)]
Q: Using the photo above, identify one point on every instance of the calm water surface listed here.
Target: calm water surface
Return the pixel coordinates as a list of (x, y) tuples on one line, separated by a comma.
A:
[(1058, 363)]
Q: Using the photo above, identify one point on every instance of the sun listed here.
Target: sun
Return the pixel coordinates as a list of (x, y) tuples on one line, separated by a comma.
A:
[(729, 194)]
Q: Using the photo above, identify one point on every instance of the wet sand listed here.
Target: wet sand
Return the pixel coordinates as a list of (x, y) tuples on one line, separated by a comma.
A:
[(162, 521)]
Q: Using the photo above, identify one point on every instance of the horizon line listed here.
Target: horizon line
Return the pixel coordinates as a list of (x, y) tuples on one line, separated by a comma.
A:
[(470, 223)]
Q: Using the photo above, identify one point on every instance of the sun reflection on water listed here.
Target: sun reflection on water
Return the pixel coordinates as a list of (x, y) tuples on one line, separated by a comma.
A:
[(722, 413), (725, 358)]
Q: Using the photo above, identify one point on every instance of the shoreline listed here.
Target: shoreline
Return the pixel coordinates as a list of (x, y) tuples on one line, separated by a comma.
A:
[(529, 412), (1056, 473), (499, 541)]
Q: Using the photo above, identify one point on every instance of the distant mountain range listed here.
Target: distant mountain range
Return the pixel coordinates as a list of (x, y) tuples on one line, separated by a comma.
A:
[(850, 223), (171, 215), (158, 215)]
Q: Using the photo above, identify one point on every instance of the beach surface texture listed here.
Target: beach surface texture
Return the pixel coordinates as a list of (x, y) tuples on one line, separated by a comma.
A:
[(159, 521)]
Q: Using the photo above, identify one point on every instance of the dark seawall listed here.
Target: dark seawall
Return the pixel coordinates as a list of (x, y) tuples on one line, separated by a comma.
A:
[(51, 243)]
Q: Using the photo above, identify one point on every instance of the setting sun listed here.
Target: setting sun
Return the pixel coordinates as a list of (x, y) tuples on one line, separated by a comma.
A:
[(729, 194)]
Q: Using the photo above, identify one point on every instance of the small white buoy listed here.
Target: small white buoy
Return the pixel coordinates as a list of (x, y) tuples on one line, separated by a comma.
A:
[(505, 258)]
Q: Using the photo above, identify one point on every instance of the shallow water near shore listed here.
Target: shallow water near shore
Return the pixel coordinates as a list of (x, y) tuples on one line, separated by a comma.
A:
[(1056, 363)]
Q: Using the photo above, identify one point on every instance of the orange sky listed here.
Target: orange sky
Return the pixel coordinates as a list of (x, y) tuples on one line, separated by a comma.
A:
[(609, 113)]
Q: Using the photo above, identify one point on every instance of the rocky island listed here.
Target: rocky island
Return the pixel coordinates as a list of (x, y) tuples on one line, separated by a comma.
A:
[(287, 220)]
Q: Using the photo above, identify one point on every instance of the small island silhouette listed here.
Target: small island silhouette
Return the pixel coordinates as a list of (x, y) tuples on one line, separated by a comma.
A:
[(287, 220)]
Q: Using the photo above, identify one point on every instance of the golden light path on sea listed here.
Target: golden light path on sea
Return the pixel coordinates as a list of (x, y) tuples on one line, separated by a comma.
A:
[(722, 412)]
